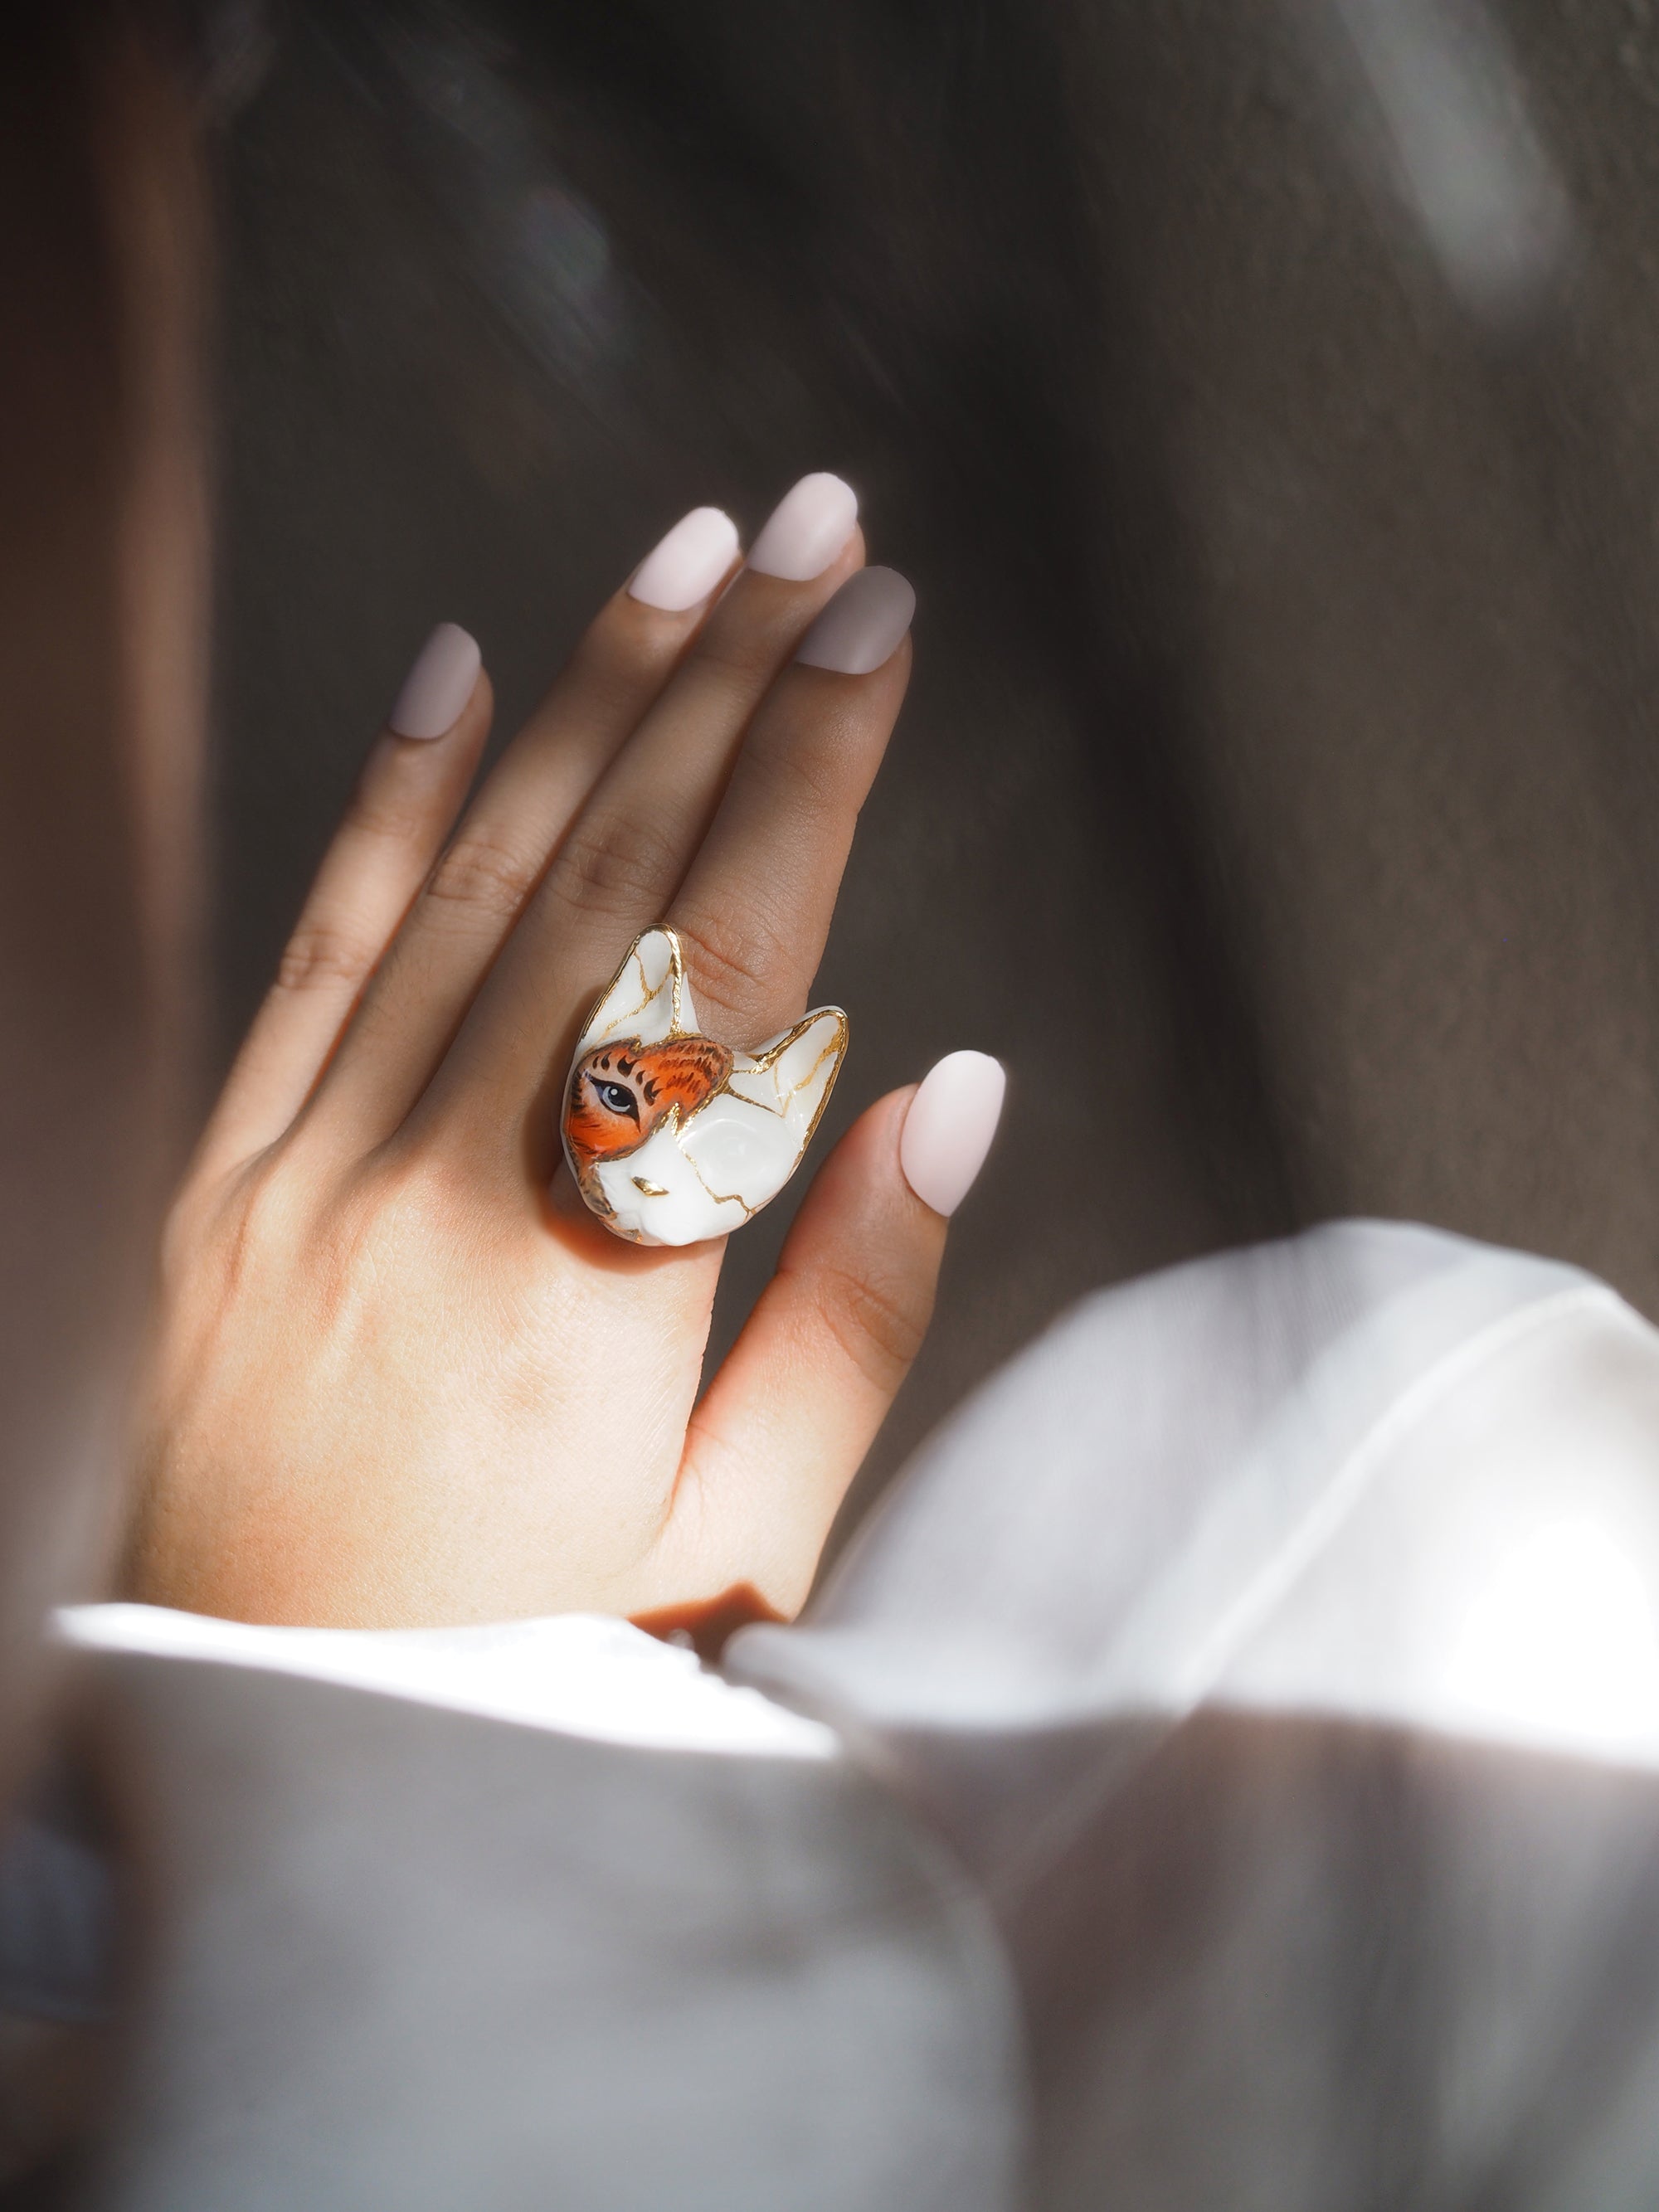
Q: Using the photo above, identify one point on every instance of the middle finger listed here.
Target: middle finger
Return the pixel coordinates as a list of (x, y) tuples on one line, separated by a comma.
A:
[(632, 841)]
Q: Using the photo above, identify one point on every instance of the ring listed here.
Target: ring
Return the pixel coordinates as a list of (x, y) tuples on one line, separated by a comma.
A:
[(672, 1137)]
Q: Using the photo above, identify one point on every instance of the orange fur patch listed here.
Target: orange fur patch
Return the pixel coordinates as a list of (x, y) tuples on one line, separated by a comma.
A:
[(620, 1092)]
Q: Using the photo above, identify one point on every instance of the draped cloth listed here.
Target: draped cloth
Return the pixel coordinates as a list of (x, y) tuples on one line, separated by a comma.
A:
[(1225, 1773), (1278, 1643)]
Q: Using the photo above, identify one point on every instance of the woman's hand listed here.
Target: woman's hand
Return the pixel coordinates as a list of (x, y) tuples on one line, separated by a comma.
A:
[(401, 1375)]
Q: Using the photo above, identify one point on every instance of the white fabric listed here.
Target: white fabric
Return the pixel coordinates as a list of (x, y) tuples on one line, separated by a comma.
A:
[(580, 1673), (1322, 1476), (579, 1950), (1276, 1643)]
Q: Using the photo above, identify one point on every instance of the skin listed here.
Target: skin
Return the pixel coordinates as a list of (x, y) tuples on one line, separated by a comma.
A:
[(393, 1372), (390, 1376), (400, 1375)]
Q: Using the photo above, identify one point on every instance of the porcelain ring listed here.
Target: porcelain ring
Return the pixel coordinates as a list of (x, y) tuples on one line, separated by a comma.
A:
[(673, 1137)]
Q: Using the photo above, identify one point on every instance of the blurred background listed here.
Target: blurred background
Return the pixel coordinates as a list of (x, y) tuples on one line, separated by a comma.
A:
[(1264, 400)]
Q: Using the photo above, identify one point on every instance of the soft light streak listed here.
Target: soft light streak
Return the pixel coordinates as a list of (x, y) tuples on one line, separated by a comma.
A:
[(1560, 1643)]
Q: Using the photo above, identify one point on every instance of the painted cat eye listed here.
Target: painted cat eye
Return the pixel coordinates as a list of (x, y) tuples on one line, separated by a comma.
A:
[(618, 1098)]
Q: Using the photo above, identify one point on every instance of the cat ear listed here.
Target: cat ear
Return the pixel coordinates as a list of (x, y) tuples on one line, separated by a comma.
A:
[(649, 997), (745, 1142), (793, 1075)]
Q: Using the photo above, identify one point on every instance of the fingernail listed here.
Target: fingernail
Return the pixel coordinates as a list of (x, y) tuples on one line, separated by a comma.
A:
[(949, 1128), (687, 564), (439, 685), (806, 529), (862, 625)]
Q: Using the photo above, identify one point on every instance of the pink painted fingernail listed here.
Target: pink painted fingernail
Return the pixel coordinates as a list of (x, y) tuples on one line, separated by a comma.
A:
[(806, 529), (862, 625), (439, 685), (685, 567), (949, 1128)]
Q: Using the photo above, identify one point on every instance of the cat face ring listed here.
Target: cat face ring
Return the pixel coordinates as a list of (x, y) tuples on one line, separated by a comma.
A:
[(672, 1138)]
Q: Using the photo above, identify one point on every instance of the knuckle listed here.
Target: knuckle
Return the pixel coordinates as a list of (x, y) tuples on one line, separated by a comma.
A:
[(267, 1213), (734, 652), (622, 867), (228, 1235), (390, 817), (879, 1328), (813, 769), (387, 1224), (413, 1201), (483, 876), (611, 669), (322, 954), (797, 778), (736, 964)]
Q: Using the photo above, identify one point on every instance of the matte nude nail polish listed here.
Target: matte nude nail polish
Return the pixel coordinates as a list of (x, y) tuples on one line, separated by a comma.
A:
[(439, 685), (684, 568), (862, 625), (806, 529), (949, 1128)]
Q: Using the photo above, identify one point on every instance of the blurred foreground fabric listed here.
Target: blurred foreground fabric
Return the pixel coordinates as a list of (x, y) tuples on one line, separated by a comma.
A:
[(1278, 1645), (1241, 1794)]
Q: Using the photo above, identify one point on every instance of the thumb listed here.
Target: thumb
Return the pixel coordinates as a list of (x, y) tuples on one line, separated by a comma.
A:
[(788, 1419)]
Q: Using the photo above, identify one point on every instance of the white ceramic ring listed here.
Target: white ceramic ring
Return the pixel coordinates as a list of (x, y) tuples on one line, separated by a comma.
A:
[(673, 1137)]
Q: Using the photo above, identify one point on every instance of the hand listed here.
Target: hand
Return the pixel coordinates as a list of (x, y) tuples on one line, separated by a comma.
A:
[(401, 1376)]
